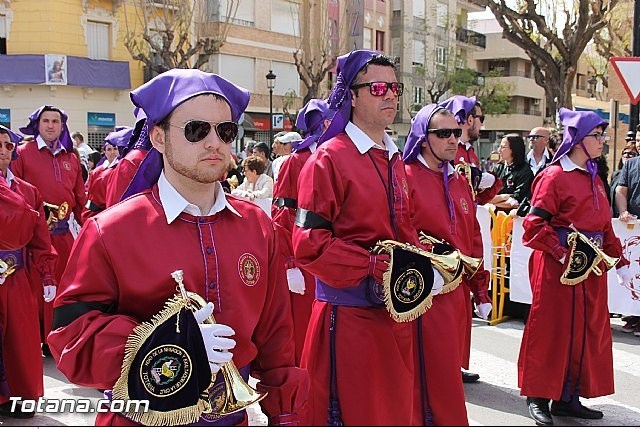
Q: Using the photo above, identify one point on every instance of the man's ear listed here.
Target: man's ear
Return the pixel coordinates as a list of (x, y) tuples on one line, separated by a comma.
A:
[(157, 137)]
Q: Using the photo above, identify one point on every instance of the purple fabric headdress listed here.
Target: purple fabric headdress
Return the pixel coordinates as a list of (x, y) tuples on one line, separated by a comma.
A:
[(160, 96), (413, 147), (311, 120), (340, 98), (460, 106), (119, 138), (15, 138), (32, 127), (576, 126)]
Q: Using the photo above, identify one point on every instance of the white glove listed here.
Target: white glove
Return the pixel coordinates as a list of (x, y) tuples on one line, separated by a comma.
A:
[(295, 280), (2, 280), (564, 258), (438, 282), (215, 341), (624, 276), (49, 293), (484, 309), (513, 202), (487, 180)]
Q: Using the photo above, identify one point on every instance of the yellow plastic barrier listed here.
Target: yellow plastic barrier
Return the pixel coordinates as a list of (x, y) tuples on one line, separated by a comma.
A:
[(501, 232)]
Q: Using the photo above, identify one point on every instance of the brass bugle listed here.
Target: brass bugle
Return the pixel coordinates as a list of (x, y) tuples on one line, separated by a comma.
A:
[(471, 265), (609, 261), (464, 168), (5, 270), (239, 395), (55, 213)]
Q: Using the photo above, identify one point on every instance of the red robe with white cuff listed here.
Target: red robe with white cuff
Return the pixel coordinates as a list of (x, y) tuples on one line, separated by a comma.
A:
[(18, 306), (544, 352), (119, 180), (229, 260), (283, 220), (375, 356), (469, 156), (58, 178), (446, 326)]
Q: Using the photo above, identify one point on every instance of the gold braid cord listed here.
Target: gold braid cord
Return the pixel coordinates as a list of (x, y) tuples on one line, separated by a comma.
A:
[(135, 341)]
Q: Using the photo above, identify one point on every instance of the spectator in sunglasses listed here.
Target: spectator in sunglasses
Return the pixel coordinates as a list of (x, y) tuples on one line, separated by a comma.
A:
[(539, 156), (26, 239), (558, 363), (49, 164), (515, 173), (444, 209), (627, 190), (225, 247), (353, 192), (468, 113)]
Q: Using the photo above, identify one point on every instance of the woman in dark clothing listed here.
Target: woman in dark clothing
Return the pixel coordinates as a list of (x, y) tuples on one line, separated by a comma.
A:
[(603, 172), (515, 173), (628, 152)]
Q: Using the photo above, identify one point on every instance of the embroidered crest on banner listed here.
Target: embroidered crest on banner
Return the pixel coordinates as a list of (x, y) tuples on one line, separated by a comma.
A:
[(165, 370), (409, 286), (249, 269)]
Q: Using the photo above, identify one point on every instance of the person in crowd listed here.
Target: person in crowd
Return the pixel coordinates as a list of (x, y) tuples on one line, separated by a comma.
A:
[(256, 184), (83, 148), (261, 150), (628, 152), (443, 208), (49, 164), (339, 218), (28, 242), (555, 139), (225, 247), (603, 172), (99, 176), (282, 148), (468, 113), (514, 172), (627, 203), (566, 350), (539, 156), (233, 178), (93, 161), (638, 138), (313, 119)]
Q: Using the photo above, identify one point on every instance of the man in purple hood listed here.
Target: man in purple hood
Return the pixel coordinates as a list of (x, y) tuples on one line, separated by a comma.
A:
[(49, 164)]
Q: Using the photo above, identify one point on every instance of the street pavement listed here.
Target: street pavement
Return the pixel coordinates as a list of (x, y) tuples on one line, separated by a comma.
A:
[(494, 401)]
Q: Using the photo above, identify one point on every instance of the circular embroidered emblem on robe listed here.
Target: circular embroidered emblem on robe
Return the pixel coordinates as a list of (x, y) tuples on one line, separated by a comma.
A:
[(249, 269), (10, 260), (597, 240), (465, 206), (165, 370), (66, 165), (578, 261), (409, 286)]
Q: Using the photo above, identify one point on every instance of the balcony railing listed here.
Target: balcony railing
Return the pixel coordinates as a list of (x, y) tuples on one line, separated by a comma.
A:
[(471, 37), (527, 112)]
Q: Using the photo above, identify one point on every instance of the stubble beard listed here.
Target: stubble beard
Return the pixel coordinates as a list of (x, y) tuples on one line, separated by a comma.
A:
[(208, 176)]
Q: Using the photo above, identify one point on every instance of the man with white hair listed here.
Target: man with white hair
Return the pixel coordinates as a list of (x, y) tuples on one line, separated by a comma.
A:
[(283, 146)]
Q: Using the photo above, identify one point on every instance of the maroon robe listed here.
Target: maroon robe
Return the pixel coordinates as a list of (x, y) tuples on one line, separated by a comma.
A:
[(229, 260), (283, 220), (119, 180), (547, 340), (375, 356)]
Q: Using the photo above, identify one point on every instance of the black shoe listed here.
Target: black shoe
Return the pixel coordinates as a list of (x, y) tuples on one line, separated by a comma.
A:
[(539, 411), (5, 410), (469, 377), (46, 352), (560, 408)]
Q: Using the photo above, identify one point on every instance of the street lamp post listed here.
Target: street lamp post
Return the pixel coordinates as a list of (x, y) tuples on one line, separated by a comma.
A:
[(271, 83), (592, 82)]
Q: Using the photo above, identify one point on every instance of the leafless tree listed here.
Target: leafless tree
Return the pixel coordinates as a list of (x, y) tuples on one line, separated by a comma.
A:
[(167, 34), (316, 53), (614, 40), (554, 33)]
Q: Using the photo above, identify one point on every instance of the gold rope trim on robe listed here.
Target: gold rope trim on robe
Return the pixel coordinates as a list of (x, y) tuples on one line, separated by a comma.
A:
[(135, 341)]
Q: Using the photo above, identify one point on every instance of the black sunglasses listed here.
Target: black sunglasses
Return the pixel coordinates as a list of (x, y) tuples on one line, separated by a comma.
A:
[(445, 133), (197, 130), (378, 89), (534, 137), (629, 154), (481, 117), (8, 146)]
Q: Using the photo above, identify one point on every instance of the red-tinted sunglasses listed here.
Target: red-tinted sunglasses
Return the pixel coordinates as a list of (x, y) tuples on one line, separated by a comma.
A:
[(378, 89)]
